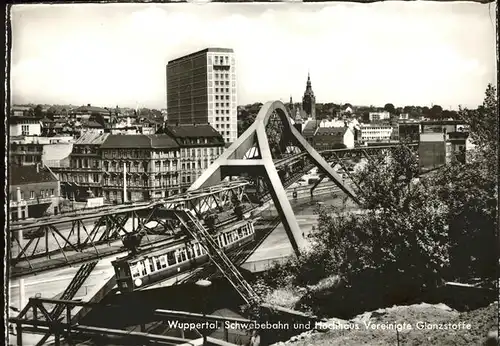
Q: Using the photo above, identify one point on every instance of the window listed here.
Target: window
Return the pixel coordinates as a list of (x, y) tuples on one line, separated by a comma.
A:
[(22, 195), (163, 262), (135, 271), (25, 129), (32, 194)]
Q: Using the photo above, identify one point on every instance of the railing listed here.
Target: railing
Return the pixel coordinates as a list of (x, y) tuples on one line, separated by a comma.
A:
[(35, 318)]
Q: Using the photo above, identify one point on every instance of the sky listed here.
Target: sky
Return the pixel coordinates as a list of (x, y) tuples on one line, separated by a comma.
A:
[(405, 53)]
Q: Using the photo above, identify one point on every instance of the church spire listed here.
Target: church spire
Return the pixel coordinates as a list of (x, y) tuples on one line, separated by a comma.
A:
[(308, 85), (308, 100)]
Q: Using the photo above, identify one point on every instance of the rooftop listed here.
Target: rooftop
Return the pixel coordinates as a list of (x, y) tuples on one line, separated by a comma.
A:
[(332, 131), (310, 127), (20, 175), (90, 108), (19, 119), (160, 141), (203, 51), (93, 138), (442, 122), (92, 124)]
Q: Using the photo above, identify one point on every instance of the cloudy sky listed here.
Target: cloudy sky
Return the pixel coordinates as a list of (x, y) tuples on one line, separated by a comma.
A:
[(407, 53)]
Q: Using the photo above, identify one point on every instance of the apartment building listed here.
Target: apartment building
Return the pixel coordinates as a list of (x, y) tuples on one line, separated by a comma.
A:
[(376, 133), (25, 126), (82, 178), (33, 192), (334, 138), (201, 89), (378, 116), (140, 167), (200, 146), (30, 150)]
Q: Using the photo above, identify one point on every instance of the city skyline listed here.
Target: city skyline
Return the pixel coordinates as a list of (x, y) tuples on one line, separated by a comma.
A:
[(402, 53)]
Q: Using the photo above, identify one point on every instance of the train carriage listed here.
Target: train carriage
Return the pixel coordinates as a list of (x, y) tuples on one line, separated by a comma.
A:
[(138, 271)]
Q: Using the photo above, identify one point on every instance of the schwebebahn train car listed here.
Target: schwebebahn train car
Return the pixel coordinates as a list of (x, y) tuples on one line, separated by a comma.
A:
[(138, 271)]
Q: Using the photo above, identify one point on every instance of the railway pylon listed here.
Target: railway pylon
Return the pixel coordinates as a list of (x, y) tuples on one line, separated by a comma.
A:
[(235, 162)]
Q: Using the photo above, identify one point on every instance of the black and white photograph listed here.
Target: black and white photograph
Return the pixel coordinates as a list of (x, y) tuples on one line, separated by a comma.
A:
[(240, 173)]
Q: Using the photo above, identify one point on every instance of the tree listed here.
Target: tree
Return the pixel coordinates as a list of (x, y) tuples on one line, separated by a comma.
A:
[(366, 117), (38, 111), (245, 121), (408, 109), (436, 112), (254, 108), (389, 107), (470, 191), (399, 246)]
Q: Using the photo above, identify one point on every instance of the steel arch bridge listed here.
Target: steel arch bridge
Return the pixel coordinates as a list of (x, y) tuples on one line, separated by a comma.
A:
[(261, 140)]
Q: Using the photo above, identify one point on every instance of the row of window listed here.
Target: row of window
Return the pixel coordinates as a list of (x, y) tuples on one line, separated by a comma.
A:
[(136, 154), (224, 75), (84, 163), (222, 83), (189, 153), (222, 111), (81, 178), (29, 148), (83, 150), (222, 119), (220, 59), (43, 194)]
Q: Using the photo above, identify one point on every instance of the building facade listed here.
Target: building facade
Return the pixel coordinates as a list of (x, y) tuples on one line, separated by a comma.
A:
[(409, 131), (25, 126), (376, 133), (140, 167), (200, 146), (29, 150), (83, 178), (379, 116), (334, 138), (201, 89), (441, 142), (33, 192)]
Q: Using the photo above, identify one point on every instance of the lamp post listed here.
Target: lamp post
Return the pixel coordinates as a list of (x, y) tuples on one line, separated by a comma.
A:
[(204, 284)]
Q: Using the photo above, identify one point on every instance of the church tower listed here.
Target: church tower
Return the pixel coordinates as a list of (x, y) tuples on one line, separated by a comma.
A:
[(309, 101)]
